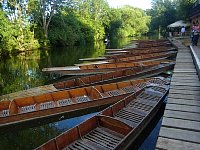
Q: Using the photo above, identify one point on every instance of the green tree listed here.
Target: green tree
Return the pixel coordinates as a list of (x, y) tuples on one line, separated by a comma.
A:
[(79, 22), (65, 30), (16, 34), (95, 12), (42, 12), (7, 32), (183, 8), (163, 13), (128, 21)]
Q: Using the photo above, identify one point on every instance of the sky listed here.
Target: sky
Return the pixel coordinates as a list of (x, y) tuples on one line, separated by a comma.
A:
[(143, 4)]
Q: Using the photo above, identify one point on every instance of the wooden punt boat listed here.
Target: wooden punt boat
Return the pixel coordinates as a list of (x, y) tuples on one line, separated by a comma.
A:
[(22, 110), (115, 127), (130, 51), (130, 58), (157, 40), (102, 68), (153, 44), (115, 76), (142, 48), (136, 52)]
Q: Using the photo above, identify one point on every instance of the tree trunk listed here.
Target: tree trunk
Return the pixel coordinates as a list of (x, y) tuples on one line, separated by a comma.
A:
[(45, 35)]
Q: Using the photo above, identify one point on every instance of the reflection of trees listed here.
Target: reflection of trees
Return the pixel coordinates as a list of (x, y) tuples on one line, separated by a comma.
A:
[(19, 73), (71, 55), (28, 139), (24, 71)]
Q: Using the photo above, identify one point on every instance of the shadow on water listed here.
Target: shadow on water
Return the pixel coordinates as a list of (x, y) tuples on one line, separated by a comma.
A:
[(31, 138), (24, 71), (148, 138)]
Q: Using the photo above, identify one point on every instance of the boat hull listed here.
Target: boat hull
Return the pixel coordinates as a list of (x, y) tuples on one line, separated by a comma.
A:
[(113, 77), (70, 110)]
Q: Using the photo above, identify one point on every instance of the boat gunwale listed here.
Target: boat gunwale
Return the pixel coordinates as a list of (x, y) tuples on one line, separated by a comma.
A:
[(112, 99)]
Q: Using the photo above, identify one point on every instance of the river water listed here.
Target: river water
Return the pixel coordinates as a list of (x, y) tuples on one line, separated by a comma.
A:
[(24, 71)]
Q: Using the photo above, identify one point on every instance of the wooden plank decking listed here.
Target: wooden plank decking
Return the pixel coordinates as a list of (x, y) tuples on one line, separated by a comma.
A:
[(180, 128)]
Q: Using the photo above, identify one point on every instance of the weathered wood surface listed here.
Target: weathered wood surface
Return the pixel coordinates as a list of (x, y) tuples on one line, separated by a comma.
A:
[(184, 102), (184, 96), (180, 128), (171, 144), (185, 87), (186, 108), (184, 91), (180, 134), (182, 115), (29, 92)]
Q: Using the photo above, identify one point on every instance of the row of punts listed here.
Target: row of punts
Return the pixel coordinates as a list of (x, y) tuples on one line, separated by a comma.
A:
[(104, 68), (67, 101), (117, 53), (117, 126), (122, 78), (114, 76)]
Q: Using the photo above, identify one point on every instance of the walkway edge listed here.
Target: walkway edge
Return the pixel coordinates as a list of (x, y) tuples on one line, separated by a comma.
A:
[(196, 60)]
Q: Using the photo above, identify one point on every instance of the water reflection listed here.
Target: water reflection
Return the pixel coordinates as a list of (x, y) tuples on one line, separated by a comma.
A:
[(20, 72), (24, 71)]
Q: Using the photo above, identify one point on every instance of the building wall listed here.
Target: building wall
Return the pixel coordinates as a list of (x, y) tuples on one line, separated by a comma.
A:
[(195, 13), (195, 19)]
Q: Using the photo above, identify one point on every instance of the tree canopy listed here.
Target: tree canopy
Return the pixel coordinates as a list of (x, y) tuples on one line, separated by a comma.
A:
[(165, 12), (32, 24)]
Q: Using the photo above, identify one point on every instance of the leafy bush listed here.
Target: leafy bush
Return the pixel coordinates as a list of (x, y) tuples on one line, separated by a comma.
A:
[(14, 37)]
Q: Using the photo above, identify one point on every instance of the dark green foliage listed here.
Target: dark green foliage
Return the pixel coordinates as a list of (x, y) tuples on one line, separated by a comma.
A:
[(14, 37), (165, 12), (128, 21), (69, 29), (74, 22), (71, 23), (184, 8)]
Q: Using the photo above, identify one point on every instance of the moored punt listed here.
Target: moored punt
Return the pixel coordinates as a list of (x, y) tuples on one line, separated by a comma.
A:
[(165, 45), (131, 58), (143, 45), (102, 68), (136, 52), (153, 44), (130, 51), (115, 127), (22, 110), (151, 40), (139, 48), (114, 76)]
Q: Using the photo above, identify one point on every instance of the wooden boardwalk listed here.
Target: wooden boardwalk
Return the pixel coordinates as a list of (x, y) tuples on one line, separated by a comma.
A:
[(181, 121)]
